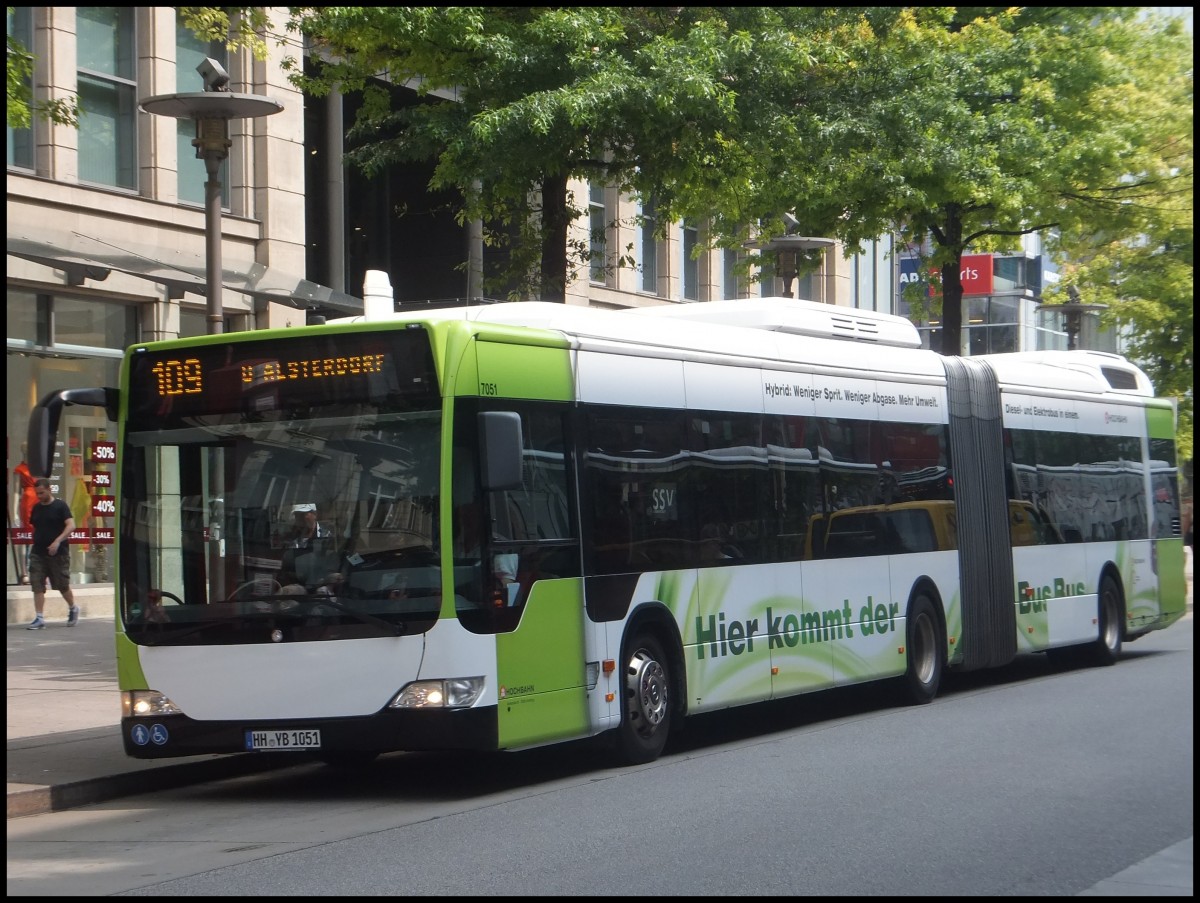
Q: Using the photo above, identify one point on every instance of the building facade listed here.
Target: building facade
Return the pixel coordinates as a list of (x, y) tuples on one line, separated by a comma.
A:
[(107, 237)]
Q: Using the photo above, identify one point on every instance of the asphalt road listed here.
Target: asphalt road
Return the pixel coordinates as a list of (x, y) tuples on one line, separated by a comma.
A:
[(1020, 781)]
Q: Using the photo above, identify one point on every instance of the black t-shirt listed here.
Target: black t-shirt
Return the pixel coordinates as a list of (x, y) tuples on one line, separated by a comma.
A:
[(48, 522)]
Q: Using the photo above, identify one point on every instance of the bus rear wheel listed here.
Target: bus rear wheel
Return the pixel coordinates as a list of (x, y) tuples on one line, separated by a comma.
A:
[(1109, 608), (646, 702), (926, 656)]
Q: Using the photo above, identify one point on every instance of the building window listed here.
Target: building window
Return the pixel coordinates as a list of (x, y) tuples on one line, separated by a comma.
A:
[(807, 287), (106, 66), (992, 323), (766, 276), (1008, 274), (690, 265), (648, 248), (598, 226), (193, 321), (190, 51), (84, 323), (20, 141), (729, 274)]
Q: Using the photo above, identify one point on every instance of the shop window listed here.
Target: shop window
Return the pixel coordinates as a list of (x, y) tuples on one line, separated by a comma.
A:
[(93, 324), (85, 340)]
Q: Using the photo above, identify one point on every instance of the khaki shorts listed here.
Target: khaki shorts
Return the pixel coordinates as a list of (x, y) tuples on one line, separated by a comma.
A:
[(55, 568)]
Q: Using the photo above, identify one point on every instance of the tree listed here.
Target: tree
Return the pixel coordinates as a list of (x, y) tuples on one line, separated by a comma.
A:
[(1147, 283), (22, 107), (961, 128), (544, 95)]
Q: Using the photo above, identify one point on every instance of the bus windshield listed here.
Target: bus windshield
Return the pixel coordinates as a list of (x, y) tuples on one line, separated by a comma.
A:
[(309, 516)]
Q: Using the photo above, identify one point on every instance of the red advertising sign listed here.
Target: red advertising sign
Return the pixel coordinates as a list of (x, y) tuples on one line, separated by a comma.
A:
[(101, 478), (976, 274), (103, 536), (104, 453), (104, 506)]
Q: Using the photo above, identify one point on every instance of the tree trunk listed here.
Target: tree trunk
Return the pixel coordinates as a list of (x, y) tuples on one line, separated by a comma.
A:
[(952, 289), (952, 306)]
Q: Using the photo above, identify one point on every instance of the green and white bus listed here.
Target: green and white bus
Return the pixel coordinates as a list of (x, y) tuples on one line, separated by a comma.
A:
[(543, 522)]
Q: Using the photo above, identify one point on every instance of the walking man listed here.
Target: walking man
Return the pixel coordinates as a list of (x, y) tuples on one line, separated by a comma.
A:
[(50, 556)]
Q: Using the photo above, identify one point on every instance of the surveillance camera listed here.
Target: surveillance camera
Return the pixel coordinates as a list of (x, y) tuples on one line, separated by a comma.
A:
[(791, 222), (214, 75)]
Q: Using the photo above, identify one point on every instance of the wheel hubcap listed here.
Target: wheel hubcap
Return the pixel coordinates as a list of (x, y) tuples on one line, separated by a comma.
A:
[(647, 689)]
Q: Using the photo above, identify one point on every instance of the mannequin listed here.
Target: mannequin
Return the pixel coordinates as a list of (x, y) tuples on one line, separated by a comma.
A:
[(25, 498)]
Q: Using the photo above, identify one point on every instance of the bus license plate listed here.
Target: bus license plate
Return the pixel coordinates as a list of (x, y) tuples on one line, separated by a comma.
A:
[(256, 740)]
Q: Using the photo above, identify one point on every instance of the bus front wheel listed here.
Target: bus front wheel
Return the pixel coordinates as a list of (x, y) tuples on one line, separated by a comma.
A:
[(925, 649), (646, 702)]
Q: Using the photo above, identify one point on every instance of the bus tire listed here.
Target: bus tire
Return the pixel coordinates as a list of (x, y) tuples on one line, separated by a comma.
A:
[(926, 652), (1106, 649), (645, 703)]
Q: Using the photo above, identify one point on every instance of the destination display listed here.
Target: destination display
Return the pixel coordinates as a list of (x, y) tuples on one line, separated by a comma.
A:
[(281, 374)]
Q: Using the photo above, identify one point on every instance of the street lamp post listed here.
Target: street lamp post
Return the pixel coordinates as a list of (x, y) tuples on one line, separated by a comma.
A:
[(1072, 311), (787, 250), (211, 110)]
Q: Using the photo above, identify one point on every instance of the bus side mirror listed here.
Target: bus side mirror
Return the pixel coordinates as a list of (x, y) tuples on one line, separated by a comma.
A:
[(501, 449), (44, 418)]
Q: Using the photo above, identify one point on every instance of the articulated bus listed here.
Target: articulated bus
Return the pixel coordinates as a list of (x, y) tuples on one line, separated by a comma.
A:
[(542, 522)]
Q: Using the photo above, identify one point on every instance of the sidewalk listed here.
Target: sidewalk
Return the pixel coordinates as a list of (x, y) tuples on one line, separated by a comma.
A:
[(64, 745)]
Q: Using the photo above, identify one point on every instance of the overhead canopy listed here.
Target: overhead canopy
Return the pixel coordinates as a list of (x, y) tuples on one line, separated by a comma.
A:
[(83, 256)]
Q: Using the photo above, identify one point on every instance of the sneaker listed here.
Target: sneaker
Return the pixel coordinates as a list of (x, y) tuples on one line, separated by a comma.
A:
[(72, 615), (38, 623)]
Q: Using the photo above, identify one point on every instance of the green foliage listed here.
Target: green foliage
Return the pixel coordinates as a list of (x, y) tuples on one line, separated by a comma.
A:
[(22, 108), (958, 128), (239, 27)]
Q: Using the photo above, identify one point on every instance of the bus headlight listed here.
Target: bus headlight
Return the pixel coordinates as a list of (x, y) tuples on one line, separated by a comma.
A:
[(455, 693), (147, 704)]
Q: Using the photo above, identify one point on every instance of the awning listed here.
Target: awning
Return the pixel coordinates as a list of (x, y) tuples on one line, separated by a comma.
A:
[(84, 256)]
